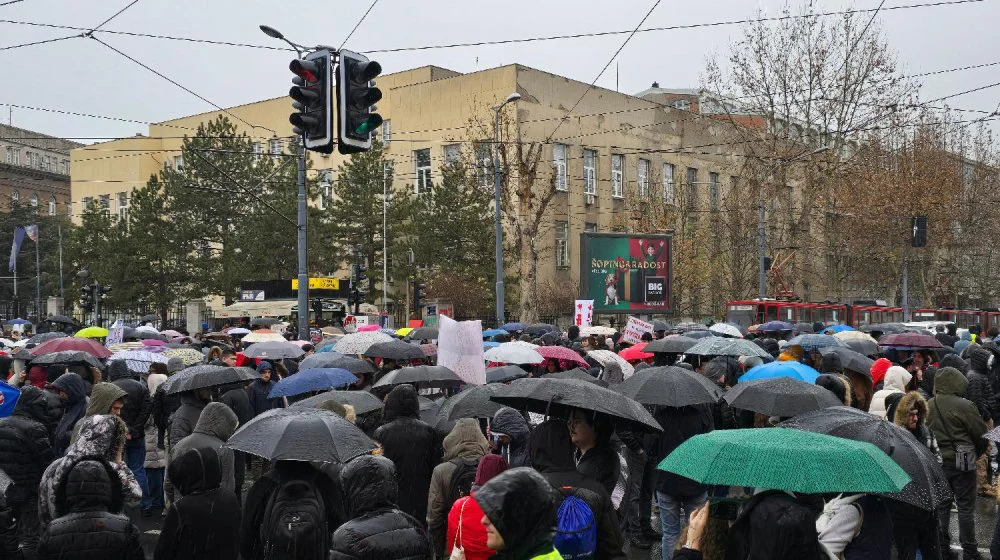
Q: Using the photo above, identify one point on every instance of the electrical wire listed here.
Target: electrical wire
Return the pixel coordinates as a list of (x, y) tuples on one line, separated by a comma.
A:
[(116, 14), (357, 25)]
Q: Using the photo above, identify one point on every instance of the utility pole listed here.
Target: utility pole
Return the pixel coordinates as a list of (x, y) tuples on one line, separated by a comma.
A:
[(497, 172), (303, 293)]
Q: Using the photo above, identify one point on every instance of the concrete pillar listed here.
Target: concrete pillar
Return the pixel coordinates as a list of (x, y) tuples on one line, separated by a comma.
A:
[(54, 306), (196, 315)]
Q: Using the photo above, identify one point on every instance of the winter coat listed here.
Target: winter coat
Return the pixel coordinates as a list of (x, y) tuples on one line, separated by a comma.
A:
[(952, 416), (924, 435), (465, 512), (25, 448), (896, 380), (980, 391), (88, 525), (164, 406), (774, 525), (679, 425), (204, 522), (215, 425), (235, 397), (412, 445), (521, 505), (102, 398), (946, 339), (185, 418), (552, 456), (73, 409), (600, 463), (509, 422), (465, 442), (138, 403), (858, 529), (377, 529), (156, 456), (257, 393)]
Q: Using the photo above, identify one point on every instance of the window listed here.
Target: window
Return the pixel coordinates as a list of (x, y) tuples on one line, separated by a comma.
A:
[(64, 167), (452, 153), (562, 244), (422, 160), (682, 104), (258, 150), (590, 172), (29, 157), (590, 227), (123, 205), (668, 183), (559, 166), (275, 146), (617, 177), (713, 191), (179, 162), (52, 206), (17, 156), (15, 196), (642, 178), (34, 200), (692, 187), (10, 155), (69, 208), (86, 202), (44, 163), (106, 205), (386, 133), (484, 165)]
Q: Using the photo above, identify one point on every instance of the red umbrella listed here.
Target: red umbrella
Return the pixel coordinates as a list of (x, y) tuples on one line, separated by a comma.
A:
[(635, 353), (907, 340), (562, 353), (71, 344)]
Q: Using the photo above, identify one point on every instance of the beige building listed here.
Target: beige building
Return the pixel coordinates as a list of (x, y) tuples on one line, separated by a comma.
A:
[(34, 169)]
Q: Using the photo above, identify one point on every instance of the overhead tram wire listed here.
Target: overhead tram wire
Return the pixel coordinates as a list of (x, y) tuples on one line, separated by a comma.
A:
[(357, 25), (116, 14)]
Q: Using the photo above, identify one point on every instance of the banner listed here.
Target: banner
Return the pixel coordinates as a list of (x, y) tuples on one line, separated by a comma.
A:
[(460, 349), (634, 330), (115, 334), (584, 312), (15, 248), (625, 273), (32, 232)]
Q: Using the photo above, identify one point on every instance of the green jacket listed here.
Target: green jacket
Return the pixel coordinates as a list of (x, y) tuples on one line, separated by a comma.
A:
[(952, 416)]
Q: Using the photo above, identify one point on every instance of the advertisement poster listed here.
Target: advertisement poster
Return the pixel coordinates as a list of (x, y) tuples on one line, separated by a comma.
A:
[(626, 273)]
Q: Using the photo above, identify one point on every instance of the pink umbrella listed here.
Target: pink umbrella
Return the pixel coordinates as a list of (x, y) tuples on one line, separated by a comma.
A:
[(635, 353), (562, 353), (153, 342), (300, 343), (429, 349), (171, 333), (368, 328)]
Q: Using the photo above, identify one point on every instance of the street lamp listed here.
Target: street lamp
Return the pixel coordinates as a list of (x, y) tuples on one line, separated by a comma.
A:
[(512, 98)]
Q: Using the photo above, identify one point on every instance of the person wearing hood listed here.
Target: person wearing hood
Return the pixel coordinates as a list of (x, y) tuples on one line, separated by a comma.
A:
[(836, 384), (88, 522), (236, 398), (182, 422), (25, 452), (958, 427), (878, 370), (519, 513), (775, 525), (155, 462), (204, 522), (215, 425), (552, 455), (105, 398), (980, 391), (377, 529), (72, 391), (135, 412), (412, 445), (914, 528), (259, 389), (463, 447), (465, 520), (509, 433), (896, 379), (946, 338)]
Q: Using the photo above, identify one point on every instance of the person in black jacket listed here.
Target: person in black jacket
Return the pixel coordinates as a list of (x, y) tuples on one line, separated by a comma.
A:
[(980, 392), (519, 508), (412, 445), (774, 525), (259, 389), (86, 528), (595, 456), (72, 391), (552, 456), (377, 529), (136, 410), (204, 522), (236, 398), (25, 453)]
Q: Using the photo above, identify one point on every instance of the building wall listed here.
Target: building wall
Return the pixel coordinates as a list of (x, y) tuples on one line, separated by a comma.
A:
[(34, 169)]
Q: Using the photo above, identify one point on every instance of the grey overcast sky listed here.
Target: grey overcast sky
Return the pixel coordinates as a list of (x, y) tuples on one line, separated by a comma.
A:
[(81, 75)]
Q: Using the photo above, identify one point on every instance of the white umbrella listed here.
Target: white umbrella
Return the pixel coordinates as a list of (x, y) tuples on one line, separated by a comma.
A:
[(147, 328), (138, 361), (607, 358), (726, 329), (513, 353), (524, 344), (263, 336), (237, 330), (359, 343), (855, 335), (599, 330)]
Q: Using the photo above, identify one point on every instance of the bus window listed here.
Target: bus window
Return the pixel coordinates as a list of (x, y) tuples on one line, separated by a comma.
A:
[(772, 313), (742, 315), (789, 314)]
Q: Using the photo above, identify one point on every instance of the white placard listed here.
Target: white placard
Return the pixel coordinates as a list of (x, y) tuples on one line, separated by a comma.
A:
[(460, 349), (634, 330), (584, 312)]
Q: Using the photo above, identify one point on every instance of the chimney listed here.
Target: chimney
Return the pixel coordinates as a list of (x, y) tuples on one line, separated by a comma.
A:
[(656, 85)]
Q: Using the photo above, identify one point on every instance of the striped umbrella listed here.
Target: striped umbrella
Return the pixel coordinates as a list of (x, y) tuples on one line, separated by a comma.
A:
[(138, 361)]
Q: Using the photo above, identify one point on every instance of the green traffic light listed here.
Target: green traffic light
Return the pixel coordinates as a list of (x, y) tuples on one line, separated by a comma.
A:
[(371, 123)]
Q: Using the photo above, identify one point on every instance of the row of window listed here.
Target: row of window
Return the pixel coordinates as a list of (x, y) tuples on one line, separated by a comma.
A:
[(15, 197), (37, 160), (562, 241), (104, 203)]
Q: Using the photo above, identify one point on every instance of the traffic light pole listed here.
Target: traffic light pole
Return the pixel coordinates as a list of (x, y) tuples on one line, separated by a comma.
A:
[(303, 326)]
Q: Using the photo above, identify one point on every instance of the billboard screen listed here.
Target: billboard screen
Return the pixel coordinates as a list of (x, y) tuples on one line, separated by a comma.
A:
[(626, 273)]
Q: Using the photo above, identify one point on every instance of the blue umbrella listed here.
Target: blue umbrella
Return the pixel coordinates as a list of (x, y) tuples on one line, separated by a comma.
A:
[(510, 327), (795, 370), (815, 341), (490, 333), (490, 344), (775, 326), (833, 329), (18, 322), (8, 399), (315, 379)]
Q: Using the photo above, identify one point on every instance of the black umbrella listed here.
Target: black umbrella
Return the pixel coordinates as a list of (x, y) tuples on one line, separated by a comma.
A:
[(804, 328), (69, 357), (670, 345), (264, 322), (928, 487), (504, 373), (429, 410), (578, 374), (422, 333), (851, 360), (780, 396), (670, 386), (273, 350), (149, 318), (660, 325), (686, 327), (539, 329), (334, 360), (719, 346), (60, 319), (559, 397), (883, 328), (44, 337), (424, 376), (301, 434), (146, 335), (362, 401), (395, 350), (862, 346), (473, 402), (204, 376)]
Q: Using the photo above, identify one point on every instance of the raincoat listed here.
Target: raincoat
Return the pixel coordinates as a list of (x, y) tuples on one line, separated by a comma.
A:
[(465, 442), (980, 391), (521, 505), (508, 421), (896, 379), (949, 408), (215, 425), (73, 408)]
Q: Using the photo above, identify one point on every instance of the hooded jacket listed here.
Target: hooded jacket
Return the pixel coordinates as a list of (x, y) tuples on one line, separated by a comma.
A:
[(86, 527), (521, 505), (509, 422), (377, 529), (600, 462), (156, 456), (138, 404), (896, 379), (258, 391), (102, 397), (980, 391), (774, 525), (412, 445), (215, 425), (952, 418), (924, 435), (73, 409), (235, 397), (465, 525), (465, 443), (184, 419), (25, 448), (679, 425), (204, 522)]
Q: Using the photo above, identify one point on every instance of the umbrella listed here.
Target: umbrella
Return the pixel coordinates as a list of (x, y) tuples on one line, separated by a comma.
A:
[(490, 344), (68, 357), (72, 344), (513, 327), (152, 344), (660, 325), (264, 322), (717, 346), (851, 360), (539, 329), (559, 397), (884, 328), (237, 331), (92, 332), (804, 328), (358, 343), (423, 333), (504, 373), (607, 358), (673, 344), (524, 344), (598, 330), (220, 335), (860, 342), (775, 326), (490, 333), (844, 336), (189, 356), (335, 360), (394, 350), (147, 329), (374, 328), (263, 335), (785, 459), (18, 321), (171, 333), (314, 379), (689, 326), (429, 349), (561, 353), (273, 350), (670, 386), (781, 397), (814, 341), (909, 340), (424, 376), (511, 353), (429, 410), (45, 337), (138, 361), (147, 335), (635, 353), (204, 376), (331, 331), (403, 331), (122, 346), (794, 370), (834, 329), (149, 318), (928, 487), (699, 334), (362, 401), (301, 434), (577, 374), (726, 329), (473, 402), (60, 319)]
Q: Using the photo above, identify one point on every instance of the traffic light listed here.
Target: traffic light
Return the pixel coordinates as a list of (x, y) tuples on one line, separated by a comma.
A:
[(362, 286), (313, 101), (356, 97), (419, 294), (87, 298), (104, 291), (919, 228)]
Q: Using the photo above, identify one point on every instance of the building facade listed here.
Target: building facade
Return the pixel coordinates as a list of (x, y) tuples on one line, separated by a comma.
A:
[(35, 170)]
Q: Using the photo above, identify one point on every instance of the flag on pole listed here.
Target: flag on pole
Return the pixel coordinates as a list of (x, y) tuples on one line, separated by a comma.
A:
[(32, 232), (15, 248)]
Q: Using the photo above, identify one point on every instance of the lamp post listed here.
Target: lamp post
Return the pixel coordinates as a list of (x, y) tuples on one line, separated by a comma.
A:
[(496, 192)]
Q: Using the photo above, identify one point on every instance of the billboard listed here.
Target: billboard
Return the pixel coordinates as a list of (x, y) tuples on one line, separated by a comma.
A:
[(626, 273)]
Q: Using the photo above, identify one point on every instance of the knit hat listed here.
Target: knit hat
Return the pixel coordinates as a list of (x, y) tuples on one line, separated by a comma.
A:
[(264, 365), (489, 466), (878, 370)]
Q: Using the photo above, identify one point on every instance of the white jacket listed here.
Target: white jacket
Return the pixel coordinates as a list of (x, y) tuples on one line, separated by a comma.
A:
[(895, 382)]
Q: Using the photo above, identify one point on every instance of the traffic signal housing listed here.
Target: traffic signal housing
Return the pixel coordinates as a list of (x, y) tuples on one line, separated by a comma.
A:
[(87, 298), (356, 97), (313, 101), (419, 295)]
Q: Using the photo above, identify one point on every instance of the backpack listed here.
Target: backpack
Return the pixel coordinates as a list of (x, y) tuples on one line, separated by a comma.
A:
[(830, 510), (295, 524), (576, 527), (461, 480)]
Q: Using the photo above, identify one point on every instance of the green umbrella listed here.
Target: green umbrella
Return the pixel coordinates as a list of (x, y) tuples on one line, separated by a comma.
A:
[(786, 459)]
